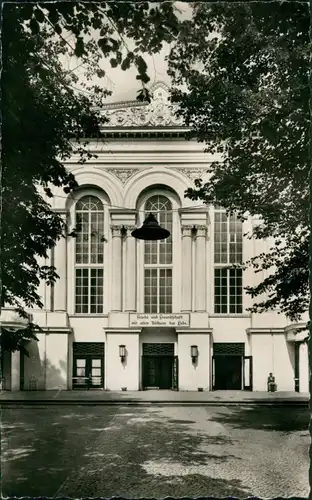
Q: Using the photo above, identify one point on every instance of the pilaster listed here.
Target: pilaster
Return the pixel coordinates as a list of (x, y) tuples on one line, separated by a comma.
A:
[(303, 367), (116, 285), (15, 371), (60, 262), (130, 294), (186, 267), (200, 268)]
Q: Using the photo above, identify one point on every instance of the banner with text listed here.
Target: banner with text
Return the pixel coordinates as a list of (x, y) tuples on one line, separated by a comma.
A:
[(172, 320)]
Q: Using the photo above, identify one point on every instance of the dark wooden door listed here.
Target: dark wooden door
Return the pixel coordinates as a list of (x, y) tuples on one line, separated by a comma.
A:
[(150, 372), (165, 372), (157, 372), (227, 372)]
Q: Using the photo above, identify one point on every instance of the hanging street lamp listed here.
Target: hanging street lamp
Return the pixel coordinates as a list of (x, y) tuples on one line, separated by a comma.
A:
[(150, 230)]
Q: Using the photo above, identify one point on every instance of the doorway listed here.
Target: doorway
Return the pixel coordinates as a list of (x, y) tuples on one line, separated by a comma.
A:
[(231, 369), (227, 373), (157, 372), (88, 365), (159, 366)]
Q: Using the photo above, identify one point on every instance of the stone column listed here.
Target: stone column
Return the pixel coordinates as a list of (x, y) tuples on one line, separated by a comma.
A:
[(60, 262), (303, 368), (200, 269), (130, 271), (186, 267), (116, 267), (15, 371)]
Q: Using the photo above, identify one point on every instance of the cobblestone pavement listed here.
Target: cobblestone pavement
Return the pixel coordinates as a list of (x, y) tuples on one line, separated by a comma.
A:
[(155, 451)]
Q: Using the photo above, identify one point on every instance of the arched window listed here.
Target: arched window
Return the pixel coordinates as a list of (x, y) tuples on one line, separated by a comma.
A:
[(89, 255), (158, 260), (228, 251)]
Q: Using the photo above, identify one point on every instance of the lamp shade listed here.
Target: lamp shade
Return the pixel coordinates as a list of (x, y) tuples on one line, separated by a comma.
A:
[(122, 351), (150, 230), (194, 351)]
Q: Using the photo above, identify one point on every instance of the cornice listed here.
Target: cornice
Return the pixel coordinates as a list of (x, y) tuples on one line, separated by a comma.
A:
[(256, 331), (194, 330), (122, 211), (152, 158), (193, 210), (297, 327), (122, 330)]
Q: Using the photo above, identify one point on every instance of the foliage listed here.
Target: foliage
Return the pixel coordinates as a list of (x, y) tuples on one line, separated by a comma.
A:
[(240, 75), (45, 116)]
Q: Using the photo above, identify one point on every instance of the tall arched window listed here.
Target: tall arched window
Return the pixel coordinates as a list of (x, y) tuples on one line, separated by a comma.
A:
[(228, 251), (89, 255), (158, 260)]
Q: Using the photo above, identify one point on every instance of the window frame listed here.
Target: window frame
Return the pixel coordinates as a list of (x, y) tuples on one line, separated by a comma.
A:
[(230, 269), (71, 261), (158, 265), (173, 197)]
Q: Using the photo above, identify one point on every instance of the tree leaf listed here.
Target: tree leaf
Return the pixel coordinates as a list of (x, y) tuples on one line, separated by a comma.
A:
[(125, 64), (34, 26), (79, 47), (39, 15)]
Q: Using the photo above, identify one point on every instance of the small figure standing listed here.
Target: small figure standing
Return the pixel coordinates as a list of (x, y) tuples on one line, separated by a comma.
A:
[(271, 383)]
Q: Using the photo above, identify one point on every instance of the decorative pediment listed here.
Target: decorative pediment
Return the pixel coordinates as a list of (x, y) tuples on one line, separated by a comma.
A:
[(158, 113)]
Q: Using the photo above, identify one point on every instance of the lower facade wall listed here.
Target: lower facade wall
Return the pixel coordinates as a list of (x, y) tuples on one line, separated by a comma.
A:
[(50, 362), (197, 374), (271, 353), (46, 368), (122, 374)]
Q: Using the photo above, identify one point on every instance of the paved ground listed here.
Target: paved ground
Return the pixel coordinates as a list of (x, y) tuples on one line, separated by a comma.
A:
[(101, 396), (154, 451)]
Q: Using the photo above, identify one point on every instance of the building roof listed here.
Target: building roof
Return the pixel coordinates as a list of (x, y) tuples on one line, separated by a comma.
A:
[(136, 116)]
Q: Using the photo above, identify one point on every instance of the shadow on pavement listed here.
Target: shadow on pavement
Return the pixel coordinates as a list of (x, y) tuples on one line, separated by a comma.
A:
[(285, 419), (155, 457)]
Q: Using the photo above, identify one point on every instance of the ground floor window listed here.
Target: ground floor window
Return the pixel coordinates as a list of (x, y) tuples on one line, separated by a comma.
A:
[(88, 365)]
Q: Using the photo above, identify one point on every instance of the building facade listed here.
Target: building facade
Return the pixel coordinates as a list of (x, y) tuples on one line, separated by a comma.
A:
[(131, 314)]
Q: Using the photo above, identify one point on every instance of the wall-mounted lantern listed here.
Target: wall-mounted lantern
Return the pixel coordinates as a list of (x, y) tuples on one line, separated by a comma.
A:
[(122, 352), (194, 353)]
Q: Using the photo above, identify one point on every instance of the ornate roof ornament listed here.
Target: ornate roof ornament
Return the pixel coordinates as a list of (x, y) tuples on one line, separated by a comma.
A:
[(158, 113)]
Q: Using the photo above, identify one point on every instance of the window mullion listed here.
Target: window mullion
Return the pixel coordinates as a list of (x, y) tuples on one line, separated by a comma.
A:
[(89, 238), (89, 290), (228, 291), (228, 240), (158, 289)]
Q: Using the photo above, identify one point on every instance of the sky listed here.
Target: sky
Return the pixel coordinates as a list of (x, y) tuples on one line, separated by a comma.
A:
[(123, 84)]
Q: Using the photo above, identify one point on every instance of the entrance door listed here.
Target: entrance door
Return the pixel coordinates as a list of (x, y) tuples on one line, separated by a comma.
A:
[(227, 373), (88, 372), (165, 372), (157, 372)]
